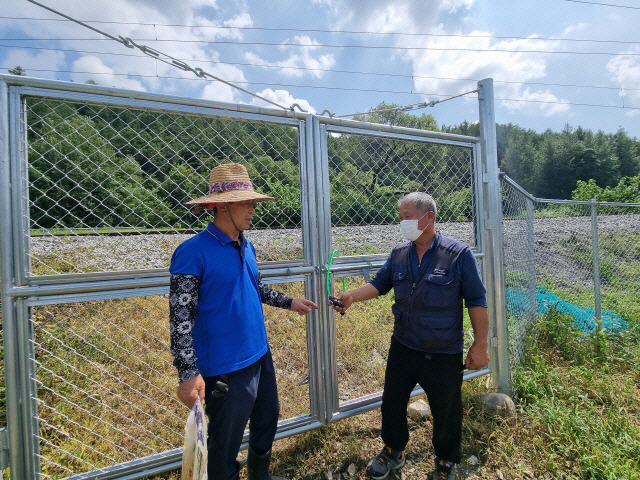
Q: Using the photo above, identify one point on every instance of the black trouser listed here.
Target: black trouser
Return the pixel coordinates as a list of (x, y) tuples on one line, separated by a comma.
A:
[(252, 396), (440, 376)]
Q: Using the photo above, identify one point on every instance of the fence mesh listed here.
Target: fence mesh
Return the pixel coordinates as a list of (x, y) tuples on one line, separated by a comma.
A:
[(100, 176), (107, 187), (106, 384), (549, 263), (368, 174), (105, 191)]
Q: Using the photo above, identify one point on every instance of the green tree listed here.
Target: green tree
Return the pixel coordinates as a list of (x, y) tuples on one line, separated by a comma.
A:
[(18, 70), (519, 156), (628, 154), (78, 181), (627, 191)]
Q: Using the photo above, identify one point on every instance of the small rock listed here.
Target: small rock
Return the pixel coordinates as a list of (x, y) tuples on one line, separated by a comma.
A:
[(528, 474), (472, 460), (498, 404), (419, 410), (329, 475), (351, 469), (499, 475)]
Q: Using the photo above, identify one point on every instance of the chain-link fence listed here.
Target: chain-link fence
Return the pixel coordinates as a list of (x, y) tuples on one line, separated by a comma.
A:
[(101, 176), (580, 258), (368, 175), (95, 185)]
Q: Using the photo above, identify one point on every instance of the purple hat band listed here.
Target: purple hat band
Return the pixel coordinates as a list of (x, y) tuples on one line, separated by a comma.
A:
[(227, 186)]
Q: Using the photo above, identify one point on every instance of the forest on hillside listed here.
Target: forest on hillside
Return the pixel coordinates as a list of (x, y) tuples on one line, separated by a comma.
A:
[(570, 164), (92, 166)]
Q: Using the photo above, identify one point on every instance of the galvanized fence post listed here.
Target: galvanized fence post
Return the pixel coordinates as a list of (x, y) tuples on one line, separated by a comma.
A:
[(496, 295), (18, 353), (596, 264), (531, 244)]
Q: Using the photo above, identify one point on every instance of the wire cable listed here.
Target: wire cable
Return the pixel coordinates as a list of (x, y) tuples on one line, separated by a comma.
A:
[(353, 32), (327, 70), (127, 42), (406, 108), (603, 4), (362, 90), (327, 45)]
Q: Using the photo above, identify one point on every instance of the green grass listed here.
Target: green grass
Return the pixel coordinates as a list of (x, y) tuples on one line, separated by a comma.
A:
[(580, 395)]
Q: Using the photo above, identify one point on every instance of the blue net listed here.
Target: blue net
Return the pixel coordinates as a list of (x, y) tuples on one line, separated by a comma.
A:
[(584, 318)]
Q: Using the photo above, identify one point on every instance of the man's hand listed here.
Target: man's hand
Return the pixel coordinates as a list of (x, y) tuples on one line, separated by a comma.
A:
[(302, 306), (190, 389), (360, 294), (477, 356), (346, 298)]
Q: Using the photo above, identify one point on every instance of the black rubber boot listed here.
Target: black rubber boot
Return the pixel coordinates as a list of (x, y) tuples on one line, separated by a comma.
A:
[(258, 466)]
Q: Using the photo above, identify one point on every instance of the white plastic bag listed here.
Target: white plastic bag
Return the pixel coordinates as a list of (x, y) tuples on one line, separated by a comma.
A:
[(194, 452)]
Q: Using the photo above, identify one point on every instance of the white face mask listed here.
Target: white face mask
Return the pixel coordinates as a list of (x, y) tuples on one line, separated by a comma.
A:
[(409, 228)]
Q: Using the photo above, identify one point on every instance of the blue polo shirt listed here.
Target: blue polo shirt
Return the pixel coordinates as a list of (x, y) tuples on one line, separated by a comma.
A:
[(229, 331)]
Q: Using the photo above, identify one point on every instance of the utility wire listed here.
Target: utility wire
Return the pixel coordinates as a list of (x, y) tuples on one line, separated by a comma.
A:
[(603, 4), (347, 89), (327, 45), (327, 70), (406, 108), (127, 42), (354, 32)]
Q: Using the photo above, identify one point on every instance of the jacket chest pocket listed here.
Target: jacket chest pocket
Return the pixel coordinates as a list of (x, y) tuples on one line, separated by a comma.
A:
[(441, 290), (401, 284)]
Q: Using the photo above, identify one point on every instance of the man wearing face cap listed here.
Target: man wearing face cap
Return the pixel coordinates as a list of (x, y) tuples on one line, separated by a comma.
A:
[(218, 335), (431, 275)]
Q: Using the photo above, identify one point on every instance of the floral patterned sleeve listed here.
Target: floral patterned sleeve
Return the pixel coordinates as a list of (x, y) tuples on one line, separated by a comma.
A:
[(183, 306), (272, 297)]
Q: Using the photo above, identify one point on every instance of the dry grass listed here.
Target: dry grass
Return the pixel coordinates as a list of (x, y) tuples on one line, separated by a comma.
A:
[(105, 383), (342, 449)]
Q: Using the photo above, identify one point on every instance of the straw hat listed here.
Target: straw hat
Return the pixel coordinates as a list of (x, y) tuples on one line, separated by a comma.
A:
[(228, 182)]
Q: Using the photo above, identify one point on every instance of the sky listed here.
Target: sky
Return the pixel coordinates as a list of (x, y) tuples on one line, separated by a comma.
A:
[(554, 63)]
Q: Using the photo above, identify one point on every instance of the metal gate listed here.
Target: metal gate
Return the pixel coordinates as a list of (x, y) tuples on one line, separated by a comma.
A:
[(94, 182)]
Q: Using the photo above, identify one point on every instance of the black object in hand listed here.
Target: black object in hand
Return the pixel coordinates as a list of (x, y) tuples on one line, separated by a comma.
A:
[(336, 302)]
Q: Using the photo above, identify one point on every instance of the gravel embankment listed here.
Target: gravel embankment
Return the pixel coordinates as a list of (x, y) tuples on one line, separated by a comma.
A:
[(554, 237)]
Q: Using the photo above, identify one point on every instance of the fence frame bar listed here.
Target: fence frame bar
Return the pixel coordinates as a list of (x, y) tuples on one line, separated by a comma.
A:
[(21, 290)]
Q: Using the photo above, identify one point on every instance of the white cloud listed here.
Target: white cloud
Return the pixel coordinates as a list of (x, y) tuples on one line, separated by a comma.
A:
[(92, 68), (44, 64), (283, 98), (241, 20), (540, 102), (448, 61), (221, 92), (468, 58), (625, 70), (398, 16), (162, 25), (301, 60)]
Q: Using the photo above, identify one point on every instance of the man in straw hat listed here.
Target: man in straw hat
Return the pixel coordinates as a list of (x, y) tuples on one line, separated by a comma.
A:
[(218, 335)]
